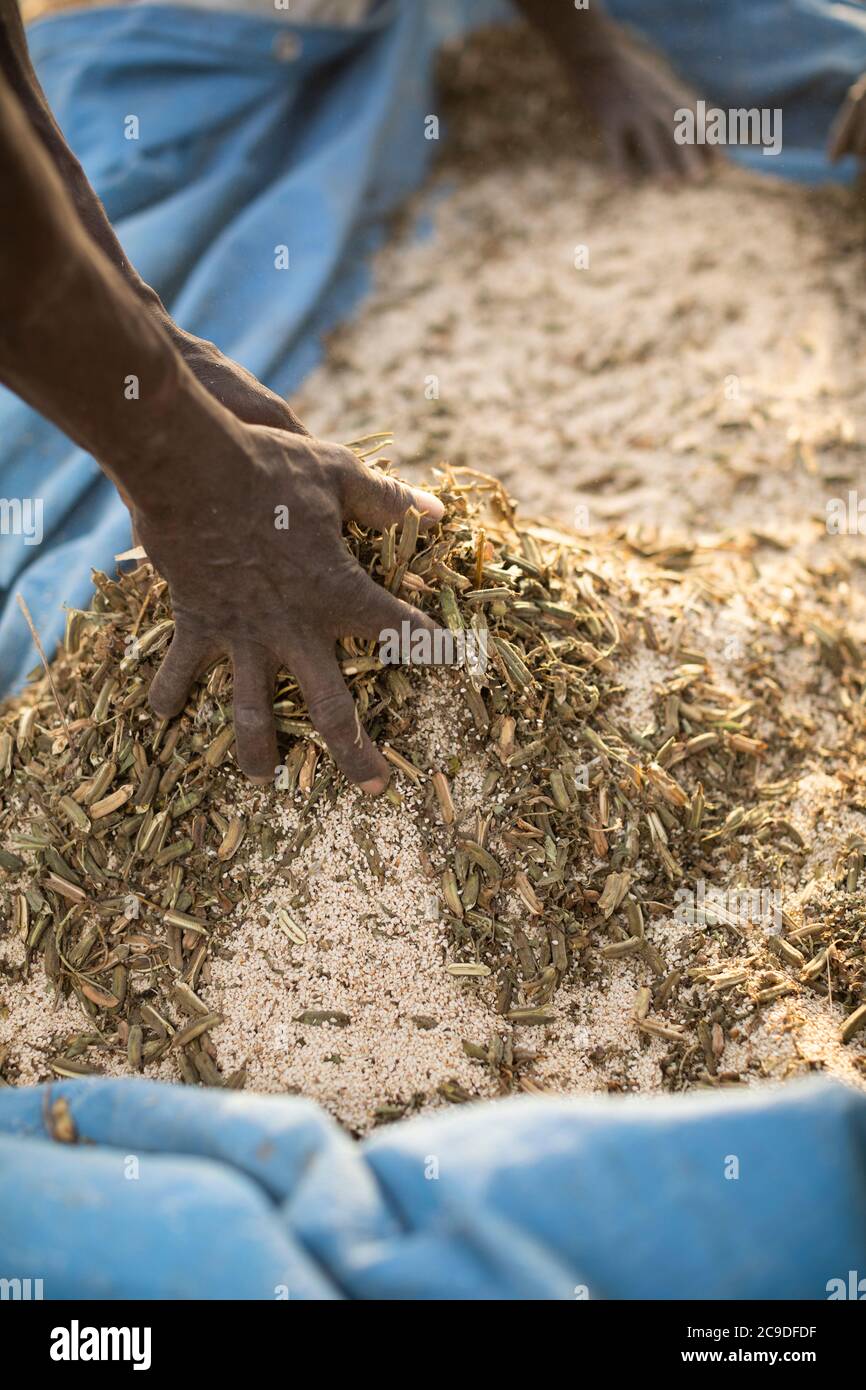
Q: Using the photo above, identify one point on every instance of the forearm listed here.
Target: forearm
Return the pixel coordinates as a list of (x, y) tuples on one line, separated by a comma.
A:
[(18, 70), (77, 343), (588, 34), (229, 383)]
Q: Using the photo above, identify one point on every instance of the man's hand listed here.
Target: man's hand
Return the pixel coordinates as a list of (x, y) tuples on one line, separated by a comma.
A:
[(633, 101), (622, 85), (230, 383), (209, 494), (269, 597), (848, 133)]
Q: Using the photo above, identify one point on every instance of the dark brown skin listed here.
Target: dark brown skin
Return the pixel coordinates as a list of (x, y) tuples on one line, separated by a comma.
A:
[(617, 82), (202, 484), (230, 383)]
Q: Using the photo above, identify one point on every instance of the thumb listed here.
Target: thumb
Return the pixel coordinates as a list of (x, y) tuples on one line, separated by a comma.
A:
[(375, 499)]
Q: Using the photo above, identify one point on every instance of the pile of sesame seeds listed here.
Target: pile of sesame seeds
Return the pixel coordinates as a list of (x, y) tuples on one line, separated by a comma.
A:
[(524, 909)]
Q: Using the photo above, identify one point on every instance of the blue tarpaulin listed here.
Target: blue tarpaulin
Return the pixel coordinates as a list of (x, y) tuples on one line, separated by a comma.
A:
[(245, 143), (182, 1193)]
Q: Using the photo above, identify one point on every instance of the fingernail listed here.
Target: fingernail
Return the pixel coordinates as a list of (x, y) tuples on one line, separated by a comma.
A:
[(428, 505), (375, 786)]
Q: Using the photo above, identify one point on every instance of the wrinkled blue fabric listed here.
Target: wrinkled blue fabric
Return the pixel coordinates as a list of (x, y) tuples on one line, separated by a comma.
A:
[(182, 1193), (231, 1195), (244, 147)]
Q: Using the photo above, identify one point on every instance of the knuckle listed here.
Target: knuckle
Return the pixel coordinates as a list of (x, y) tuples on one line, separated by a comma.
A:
[(389, 491), (333, 714), (344, 458), (252, 719), (397, 495), (339, 462)]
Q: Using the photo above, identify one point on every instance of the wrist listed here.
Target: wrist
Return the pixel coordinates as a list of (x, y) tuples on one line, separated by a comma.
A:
[(194, 450), (577, 36)]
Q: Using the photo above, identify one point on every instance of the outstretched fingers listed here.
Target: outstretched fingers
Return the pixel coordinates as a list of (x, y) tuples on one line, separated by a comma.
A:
[(255, 671), (186, 659), (334, 715)]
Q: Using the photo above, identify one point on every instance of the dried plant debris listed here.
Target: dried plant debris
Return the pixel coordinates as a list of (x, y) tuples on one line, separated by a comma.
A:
[(627, 855)]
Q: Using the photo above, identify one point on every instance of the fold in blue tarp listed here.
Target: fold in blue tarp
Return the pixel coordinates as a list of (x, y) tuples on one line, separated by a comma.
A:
[(247, 141), (177, 1193)]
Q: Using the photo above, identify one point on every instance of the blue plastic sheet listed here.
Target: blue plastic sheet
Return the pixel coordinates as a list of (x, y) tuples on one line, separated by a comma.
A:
[(182, 1193), (246, 143), (243, 148)]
